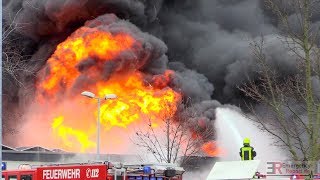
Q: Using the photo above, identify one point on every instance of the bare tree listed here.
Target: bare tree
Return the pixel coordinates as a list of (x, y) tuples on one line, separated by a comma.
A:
[(14, 61), (175, 139), (17, 67), (291, 104)]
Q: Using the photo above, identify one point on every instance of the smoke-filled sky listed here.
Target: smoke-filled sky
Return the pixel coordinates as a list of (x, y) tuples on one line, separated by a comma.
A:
[(206, 41)]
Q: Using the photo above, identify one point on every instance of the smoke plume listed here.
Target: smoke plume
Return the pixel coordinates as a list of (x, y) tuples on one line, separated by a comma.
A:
[(205, 42)]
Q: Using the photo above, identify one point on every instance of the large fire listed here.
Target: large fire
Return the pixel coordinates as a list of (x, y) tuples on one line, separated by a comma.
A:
[(80, 63), (107, 56)]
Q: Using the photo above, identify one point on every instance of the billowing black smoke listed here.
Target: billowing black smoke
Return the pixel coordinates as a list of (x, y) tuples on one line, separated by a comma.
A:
[(207, 40)]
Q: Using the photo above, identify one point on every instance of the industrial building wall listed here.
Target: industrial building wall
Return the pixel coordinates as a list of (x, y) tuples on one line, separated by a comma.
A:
[(15, 158)]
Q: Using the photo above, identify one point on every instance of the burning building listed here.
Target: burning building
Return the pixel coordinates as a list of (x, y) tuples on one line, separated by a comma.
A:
[(153, 54), (105, 54)]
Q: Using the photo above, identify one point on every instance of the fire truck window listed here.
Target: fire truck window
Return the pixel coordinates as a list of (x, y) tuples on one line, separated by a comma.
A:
[(26, 177), (12, 177)]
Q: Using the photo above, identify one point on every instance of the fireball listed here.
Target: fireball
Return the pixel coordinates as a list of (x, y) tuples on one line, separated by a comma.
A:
[(103, 61)]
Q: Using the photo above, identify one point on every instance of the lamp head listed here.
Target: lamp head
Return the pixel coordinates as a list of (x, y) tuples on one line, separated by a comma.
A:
[(88, 94), (110, 96)]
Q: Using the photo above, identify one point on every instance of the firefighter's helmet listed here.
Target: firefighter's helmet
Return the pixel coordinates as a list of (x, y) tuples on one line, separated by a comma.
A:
[(246, 141)]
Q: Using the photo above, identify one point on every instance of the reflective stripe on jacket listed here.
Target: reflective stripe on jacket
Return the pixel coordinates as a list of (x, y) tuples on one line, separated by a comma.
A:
[(246, 153)]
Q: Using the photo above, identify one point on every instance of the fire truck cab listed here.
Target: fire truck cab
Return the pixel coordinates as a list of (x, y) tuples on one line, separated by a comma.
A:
[(95, 171)]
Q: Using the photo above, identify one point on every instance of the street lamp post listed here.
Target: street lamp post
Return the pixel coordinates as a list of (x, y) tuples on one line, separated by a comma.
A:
[(98, 131), (91, 95)]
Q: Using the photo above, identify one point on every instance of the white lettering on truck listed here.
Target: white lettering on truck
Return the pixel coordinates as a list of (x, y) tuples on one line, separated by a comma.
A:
[(61, 174), (92, 173)]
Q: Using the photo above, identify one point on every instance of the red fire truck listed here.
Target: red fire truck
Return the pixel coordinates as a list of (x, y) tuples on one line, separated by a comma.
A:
[(95, 171)]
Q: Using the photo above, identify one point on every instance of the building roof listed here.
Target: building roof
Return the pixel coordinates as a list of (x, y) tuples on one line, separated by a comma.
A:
[(33, 148), (4, 147), (59, 150)]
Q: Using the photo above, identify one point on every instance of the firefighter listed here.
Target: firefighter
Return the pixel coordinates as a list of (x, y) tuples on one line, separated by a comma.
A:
[(247, 152)]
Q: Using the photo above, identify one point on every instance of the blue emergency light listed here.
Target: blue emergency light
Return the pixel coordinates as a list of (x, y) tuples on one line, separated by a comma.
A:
[(144, 178), (147, 170), (138, 178), (4, 165)]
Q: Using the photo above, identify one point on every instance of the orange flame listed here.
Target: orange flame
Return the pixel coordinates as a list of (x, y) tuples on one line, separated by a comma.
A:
[(84, 43), (211, 149), (136, 96)]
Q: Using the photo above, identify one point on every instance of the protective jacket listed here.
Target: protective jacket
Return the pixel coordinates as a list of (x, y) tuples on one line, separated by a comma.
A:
[(247, 153)]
